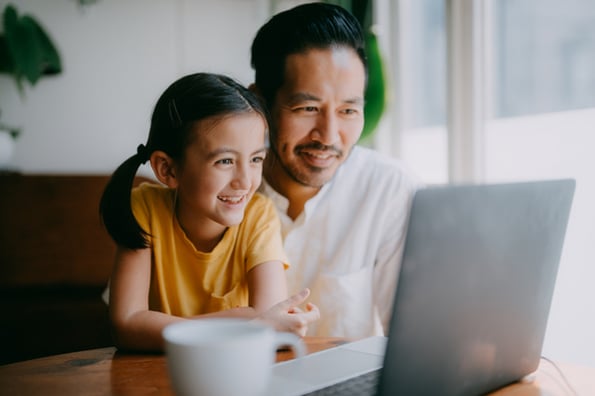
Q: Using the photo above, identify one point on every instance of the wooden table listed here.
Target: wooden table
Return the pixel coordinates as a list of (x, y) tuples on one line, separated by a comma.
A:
[(106, 371)]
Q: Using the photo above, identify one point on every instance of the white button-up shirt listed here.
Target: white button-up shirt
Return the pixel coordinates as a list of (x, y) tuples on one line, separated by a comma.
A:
[(346, 245)]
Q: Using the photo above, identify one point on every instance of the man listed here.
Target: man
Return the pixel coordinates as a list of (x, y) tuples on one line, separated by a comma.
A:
[(343, 208)]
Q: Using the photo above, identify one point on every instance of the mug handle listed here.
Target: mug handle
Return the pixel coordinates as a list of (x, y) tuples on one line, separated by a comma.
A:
[(284, 339)]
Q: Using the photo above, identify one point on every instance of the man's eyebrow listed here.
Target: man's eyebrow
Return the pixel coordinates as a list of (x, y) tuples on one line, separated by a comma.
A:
[(305, 97), (358, 100), (260, 150)]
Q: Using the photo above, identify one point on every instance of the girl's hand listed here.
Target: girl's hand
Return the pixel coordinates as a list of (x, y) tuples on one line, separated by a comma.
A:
[(287, 316)]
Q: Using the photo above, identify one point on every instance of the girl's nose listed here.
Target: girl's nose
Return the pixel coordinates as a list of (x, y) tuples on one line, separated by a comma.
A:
[(242, 179)]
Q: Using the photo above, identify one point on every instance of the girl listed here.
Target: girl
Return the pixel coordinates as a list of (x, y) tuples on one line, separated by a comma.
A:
[(203, 244)]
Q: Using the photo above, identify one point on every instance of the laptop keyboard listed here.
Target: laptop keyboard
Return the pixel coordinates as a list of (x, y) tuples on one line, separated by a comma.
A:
[(362, 385)]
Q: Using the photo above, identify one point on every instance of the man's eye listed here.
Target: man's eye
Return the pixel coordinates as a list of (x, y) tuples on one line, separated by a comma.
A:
[(350, 111), (257, 160), (307, 109), (225, 161)]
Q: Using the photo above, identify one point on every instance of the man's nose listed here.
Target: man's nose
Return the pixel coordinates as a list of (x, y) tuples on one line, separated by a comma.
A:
[(326, 130)]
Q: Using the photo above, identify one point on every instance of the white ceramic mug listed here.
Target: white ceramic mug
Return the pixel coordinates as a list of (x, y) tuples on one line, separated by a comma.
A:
[(223, 357)]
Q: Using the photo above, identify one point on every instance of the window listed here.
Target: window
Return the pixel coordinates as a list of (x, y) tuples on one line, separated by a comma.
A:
[(527, 75), (413, 35), (542, 126), (545, 56)]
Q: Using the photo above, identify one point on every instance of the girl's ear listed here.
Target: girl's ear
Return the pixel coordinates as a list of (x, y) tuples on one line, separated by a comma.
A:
[(164, 168)]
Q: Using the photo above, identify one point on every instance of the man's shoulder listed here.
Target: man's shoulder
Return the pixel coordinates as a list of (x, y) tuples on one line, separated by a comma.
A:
[(365, 163), (372, 158)]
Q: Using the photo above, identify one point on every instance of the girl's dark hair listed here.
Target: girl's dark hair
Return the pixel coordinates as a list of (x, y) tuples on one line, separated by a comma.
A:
[(188, 100), (307, 26)]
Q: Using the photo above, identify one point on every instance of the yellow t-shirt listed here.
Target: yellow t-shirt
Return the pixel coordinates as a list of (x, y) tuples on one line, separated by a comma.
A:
[(187, 282)]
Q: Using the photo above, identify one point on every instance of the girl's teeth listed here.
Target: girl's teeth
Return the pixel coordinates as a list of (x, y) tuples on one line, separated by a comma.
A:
[(231, 199)]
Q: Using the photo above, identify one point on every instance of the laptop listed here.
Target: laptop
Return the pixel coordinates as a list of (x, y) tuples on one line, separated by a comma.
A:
[(472, 300)]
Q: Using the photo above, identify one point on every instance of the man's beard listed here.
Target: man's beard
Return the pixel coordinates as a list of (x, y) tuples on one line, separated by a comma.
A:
[(305, 177)]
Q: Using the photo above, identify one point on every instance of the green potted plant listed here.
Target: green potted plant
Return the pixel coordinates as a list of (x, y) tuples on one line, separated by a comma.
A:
[(27, 53)]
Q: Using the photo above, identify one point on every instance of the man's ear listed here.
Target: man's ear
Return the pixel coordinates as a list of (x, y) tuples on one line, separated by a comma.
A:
[(164, 168)]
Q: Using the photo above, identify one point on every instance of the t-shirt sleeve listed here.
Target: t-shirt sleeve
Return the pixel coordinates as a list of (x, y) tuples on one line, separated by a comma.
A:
[(264, 230)]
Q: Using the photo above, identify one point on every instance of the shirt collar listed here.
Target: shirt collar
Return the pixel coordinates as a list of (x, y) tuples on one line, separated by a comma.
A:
[(282, 203)]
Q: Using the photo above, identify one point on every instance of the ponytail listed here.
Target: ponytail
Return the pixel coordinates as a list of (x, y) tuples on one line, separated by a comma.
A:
[(115, 209)]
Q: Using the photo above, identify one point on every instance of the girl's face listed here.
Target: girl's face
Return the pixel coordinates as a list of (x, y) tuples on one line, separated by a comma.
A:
[(221, 171)]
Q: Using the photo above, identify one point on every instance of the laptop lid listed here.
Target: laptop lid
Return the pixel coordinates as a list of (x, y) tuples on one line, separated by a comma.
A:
[(475, 287)]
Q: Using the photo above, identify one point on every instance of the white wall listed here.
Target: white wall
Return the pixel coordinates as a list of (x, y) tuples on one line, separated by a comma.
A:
[(118, 56)]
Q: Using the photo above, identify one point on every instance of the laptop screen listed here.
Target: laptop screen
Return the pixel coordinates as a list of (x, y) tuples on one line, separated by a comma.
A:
[(475, 286)]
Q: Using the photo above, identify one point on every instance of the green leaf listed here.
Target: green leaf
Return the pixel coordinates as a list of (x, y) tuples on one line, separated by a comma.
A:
[(49, 59), (25, 50), (6, 63), (29, 51), (375, 95)]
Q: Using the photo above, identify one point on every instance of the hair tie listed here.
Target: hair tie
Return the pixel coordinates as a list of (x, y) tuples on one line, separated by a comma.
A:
[(142, 153)]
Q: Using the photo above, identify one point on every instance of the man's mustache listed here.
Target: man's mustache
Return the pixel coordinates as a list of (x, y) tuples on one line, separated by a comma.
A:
[(319, 147)]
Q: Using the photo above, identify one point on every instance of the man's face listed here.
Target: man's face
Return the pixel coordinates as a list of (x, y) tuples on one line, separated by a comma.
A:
[(318, 113)]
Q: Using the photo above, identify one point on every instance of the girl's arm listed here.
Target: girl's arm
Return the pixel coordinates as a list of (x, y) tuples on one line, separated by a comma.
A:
[(134, 326), (138, 328), (267, 285)]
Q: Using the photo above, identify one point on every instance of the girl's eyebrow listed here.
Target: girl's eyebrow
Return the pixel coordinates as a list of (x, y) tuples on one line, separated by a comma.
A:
[(228, 150)]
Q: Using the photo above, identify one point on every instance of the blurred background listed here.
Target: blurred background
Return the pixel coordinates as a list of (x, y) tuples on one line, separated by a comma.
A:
[(477, 91)]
